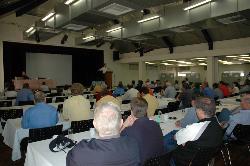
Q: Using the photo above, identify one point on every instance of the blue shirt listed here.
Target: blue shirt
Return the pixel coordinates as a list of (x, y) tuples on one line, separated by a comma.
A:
[(118, 91), (39, 116), (170, 92), (189, 118), (208, 92), (243, 117), (24, 95)]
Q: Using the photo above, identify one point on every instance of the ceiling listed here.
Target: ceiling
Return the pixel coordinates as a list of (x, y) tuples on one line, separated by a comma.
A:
[(96, 22)]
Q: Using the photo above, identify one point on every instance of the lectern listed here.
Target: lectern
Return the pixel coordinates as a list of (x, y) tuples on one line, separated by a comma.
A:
[(108, 78)]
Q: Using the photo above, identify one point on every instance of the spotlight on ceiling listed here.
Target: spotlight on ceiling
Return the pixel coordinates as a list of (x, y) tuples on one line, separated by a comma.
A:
[(145, 11)]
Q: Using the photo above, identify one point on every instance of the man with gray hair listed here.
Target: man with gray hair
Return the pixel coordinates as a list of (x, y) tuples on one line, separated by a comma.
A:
[(206, 134), (170, 91), (41, 115), (109, 148), (147, 132)]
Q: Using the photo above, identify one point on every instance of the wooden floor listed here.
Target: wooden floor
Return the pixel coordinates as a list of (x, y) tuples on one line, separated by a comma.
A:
[(240, 156)]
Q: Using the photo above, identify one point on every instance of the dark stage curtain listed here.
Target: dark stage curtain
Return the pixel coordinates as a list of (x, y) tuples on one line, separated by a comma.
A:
[(85, 62)]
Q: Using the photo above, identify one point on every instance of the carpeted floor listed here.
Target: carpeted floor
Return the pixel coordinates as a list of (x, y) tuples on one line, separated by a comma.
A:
[(240, 156)]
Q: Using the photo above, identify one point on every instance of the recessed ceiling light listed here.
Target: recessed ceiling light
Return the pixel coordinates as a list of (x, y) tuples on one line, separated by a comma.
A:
[(88, 37), (171, 60), (202, 64), (114, 29), (29, 30), (48, 16), (197, 5), (167, 64), (148, 19), (200, 58), (244, 55), (150, 63), (231, 56)]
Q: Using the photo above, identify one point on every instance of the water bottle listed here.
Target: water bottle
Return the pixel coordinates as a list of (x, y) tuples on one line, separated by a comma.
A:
[(159, 117)]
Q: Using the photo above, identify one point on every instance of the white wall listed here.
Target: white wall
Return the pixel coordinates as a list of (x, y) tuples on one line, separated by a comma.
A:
[(54, 66)]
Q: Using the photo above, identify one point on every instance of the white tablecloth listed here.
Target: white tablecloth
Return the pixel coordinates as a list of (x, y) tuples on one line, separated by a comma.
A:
[(13, 135), (38, 153), (230, 100)]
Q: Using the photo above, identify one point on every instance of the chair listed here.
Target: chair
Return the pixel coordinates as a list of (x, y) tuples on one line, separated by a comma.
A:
[(5, 103), (44, 133), (242, 133), (81, 126), (173, 106), (48, 99), (203, 156), (125, 101), (60, 99), (39, 134), (21, 103), (162, 160), (10, 114)]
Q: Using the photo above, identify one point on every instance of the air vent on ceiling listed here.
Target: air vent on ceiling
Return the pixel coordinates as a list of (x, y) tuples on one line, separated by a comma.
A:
[(182, 29), (115, 9), (74, 27), (231, 19)]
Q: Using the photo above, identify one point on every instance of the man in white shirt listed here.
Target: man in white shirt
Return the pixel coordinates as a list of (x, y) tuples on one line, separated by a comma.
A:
[(44, 87), (130, 94), (76, 108)]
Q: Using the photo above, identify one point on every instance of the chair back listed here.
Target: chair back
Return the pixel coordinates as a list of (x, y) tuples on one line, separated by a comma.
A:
[(81, 126), (48, 99), (5, 103), (242, 132), (203, 156), (162, 160), (173, 106), (60, 99), (21, 103), (44, 133), (11, 114)]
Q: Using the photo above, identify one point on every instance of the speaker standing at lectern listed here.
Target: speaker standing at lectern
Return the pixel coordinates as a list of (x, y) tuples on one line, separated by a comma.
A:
[(102, 71)]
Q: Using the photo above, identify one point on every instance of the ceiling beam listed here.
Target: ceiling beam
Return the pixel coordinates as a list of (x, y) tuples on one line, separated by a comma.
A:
[(169, 44), (208, 38)]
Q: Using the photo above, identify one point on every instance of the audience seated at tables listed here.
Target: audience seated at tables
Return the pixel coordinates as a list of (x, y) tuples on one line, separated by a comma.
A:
[(224, 89), (185, 96), (109, 148), (41, 115), (170, 91), (196, 88), (119, 90), (176, 85), (76, 108), (189, 118), (246, 87), (139, 85), (207, 91), (147, 132), (237, 117), (206, 134), (44, 87), (24, 94), (236, 88), (99, 86), (217, 92), (106, 97), (151, 100), (10, 93), (130, 94)]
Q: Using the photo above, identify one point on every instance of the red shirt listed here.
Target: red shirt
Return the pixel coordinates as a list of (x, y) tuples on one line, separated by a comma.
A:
[(224, 90)]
